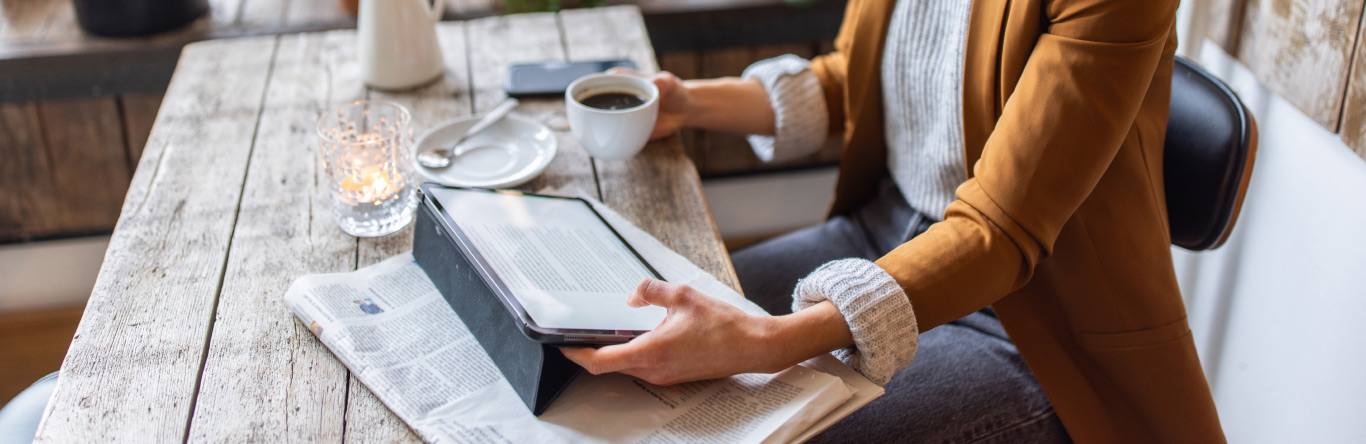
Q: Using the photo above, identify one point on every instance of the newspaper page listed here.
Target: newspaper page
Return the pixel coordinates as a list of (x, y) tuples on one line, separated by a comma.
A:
[(391, 327)]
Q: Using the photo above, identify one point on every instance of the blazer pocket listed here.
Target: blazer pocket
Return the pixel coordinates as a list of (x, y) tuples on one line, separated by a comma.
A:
[(1172, 331)]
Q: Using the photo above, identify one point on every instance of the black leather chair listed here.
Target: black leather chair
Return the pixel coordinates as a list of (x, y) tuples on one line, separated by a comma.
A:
[(1211, 144)]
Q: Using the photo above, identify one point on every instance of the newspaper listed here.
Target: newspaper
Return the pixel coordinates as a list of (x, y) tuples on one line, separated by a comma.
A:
[(390, 326)]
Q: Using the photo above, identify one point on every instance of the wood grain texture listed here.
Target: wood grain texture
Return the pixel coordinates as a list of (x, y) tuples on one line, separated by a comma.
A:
[(133, 367), (266, 378), (225, 13), (28, 203), (471, 8), (497, 42), (1301, 49), (89, 161), (658, 189), (1353, 127), (261, 13), (139, 113), (1219, 21)]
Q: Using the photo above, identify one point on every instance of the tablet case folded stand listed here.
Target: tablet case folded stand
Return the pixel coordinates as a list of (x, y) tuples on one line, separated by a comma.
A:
[(537, 372)]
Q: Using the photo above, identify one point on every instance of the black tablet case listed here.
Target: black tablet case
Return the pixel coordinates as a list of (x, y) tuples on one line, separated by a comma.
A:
[(537, 372)]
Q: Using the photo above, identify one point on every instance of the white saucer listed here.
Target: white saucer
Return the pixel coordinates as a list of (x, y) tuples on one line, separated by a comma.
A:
[(509, 153)]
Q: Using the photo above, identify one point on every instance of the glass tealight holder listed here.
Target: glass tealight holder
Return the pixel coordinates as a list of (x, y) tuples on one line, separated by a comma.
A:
[(366, 149)]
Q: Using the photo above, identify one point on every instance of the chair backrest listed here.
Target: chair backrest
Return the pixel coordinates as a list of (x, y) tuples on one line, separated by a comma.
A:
[(1211, 144)]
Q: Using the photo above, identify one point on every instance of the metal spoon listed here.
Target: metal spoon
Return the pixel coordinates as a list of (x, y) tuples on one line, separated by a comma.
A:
[(437, 158)]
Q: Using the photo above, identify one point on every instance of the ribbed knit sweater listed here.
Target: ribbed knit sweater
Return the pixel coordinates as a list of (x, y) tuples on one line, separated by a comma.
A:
[(921, 73)]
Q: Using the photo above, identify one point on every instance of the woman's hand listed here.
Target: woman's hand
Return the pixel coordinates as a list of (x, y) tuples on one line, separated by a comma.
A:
[(673, 102), (705, 338), (728, 104)]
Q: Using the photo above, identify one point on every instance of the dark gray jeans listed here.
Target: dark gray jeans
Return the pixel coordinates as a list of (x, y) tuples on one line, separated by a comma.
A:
[(967, 384)]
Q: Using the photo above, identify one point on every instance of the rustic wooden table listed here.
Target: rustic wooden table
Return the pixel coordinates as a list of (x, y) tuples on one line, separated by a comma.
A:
[(186, 337)]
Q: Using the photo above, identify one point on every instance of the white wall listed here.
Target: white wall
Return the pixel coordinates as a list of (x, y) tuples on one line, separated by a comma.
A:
[(48, 274), (765, 204), (1278, 312)]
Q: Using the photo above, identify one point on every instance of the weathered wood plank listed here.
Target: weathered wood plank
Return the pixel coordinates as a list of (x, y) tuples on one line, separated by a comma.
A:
[(139, 113), (1354, 109), (497, 42), (266, 378), (224, 13), (1301, 49), (472, 8), (658, 189), (85, 144), (1219, 21), (262, 13), (29, 202), (133, 367), (367, 419)]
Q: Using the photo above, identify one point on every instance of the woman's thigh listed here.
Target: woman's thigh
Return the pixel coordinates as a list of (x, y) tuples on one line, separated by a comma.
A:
[(968, 384), (769, 270)]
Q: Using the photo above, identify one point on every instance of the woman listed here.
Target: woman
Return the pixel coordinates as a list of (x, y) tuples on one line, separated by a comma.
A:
[(1001, 173)]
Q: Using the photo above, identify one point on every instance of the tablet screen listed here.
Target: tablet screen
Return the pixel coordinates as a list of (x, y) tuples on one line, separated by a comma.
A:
[(561, 262)]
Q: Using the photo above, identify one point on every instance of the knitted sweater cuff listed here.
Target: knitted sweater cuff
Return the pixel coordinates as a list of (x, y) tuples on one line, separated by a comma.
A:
[(800, 121), (877, 310)]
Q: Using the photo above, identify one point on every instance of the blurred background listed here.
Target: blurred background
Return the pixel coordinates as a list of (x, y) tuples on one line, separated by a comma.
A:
[(1276, 311)]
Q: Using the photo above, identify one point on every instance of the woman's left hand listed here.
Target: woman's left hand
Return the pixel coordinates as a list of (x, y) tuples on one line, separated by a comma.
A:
[(705, 338)]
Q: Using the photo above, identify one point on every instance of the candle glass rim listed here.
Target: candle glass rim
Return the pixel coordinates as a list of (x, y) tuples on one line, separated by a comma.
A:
[(324, 121)]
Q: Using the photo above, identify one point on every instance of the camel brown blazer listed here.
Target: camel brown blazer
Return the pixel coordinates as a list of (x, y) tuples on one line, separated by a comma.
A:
[(1062, 223)]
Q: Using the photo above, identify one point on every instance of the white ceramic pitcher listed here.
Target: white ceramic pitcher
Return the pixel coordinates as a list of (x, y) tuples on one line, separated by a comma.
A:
[(398, 46)]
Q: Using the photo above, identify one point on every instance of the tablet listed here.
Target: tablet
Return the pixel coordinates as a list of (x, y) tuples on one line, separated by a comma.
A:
[(555, 263)]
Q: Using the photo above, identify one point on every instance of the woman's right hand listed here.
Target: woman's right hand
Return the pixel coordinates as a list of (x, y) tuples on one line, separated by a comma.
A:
[(674, 103)]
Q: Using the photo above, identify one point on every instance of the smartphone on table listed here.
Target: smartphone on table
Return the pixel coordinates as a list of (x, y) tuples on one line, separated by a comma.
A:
[(550, 79)]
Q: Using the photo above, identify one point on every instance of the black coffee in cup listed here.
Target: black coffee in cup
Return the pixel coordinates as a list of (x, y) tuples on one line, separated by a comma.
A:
[(612, 101)]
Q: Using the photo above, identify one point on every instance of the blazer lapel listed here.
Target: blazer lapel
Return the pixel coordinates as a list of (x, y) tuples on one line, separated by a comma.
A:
[(864, 88), (863, 138), (980, 73)]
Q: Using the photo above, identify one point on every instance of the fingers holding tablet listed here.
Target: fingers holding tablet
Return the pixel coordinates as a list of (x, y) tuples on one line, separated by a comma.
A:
[(701, 338)]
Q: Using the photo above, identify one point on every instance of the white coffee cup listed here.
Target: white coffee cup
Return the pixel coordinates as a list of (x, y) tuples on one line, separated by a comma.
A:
[(612, 134)]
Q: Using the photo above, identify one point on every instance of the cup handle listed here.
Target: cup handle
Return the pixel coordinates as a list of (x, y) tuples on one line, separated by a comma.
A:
[(438, 7)]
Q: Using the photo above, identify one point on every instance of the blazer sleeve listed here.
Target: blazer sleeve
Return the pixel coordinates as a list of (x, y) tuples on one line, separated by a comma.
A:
[(1074, 105)]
